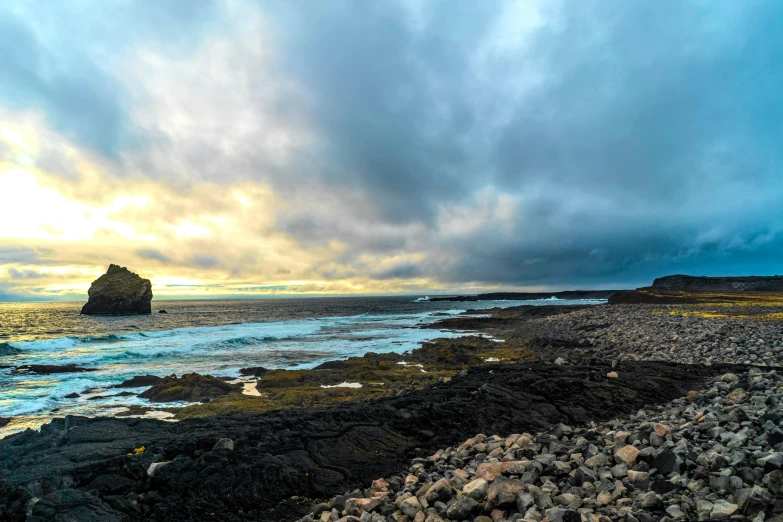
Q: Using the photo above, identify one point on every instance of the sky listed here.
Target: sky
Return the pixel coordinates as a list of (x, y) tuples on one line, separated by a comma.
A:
[(237, 148)]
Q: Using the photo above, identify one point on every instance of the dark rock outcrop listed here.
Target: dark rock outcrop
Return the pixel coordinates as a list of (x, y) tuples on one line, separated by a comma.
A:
[(191, 387), (253, 371), (117, 292), (686, 283), (140, 380), (4, 421), (48, 369), (308, 452), (685, 289)]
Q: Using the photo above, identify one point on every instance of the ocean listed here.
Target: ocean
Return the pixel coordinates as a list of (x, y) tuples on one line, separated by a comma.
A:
[(216, 337)]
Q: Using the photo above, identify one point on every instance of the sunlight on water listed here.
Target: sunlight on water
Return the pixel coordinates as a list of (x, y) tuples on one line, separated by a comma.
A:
[(207, 337)]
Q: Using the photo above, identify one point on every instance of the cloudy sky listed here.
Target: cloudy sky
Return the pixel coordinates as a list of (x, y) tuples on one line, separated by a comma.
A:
[(397, 146)]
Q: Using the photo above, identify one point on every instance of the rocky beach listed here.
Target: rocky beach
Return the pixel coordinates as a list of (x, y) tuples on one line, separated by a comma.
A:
[(610, 412), (715, 453)]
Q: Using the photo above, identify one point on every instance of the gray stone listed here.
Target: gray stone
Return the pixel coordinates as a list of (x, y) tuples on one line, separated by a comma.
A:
[(460, 508), (224, 444), (411, 506), (723, 509)]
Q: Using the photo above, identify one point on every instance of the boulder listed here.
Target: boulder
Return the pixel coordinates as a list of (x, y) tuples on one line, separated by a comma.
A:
[(119, 291), (253, 371)]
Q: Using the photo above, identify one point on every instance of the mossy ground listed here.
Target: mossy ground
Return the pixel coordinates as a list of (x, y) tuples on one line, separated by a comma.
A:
[(763, 306), (379, 374)]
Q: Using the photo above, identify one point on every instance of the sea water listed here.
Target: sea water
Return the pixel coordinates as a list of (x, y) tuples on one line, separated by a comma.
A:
[(216, 337)]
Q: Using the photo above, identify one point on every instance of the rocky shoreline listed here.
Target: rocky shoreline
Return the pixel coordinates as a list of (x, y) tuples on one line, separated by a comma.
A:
[(714, 454), (597, 368)]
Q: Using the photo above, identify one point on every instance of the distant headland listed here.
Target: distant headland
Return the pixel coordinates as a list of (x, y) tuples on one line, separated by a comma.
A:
[(680, 289), (529, 296)]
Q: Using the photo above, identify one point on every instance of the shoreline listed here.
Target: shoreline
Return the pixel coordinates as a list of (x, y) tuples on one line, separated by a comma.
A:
[(376, 371), (578, 348)]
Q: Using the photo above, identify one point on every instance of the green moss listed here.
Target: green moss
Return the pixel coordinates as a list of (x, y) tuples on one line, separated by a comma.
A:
[(379, 374)]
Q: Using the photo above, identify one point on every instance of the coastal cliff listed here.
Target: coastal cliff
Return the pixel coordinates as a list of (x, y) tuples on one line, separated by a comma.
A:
[(684, 289), (119, 291), (686, 283)]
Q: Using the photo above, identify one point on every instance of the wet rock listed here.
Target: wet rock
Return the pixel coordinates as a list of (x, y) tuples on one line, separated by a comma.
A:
[(119, 291), (191, 387), (48, 369), (139, 381), (253, 371)]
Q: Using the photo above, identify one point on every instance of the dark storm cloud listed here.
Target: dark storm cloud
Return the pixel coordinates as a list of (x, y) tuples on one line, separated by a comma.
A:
[(390, 102), (581, 142), (399, 271), (637, 138), (658, 107)]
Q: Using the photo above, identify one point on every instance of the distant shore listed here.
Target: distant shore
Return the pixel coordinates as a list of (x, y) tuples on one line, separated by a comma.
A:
[(525, 296)]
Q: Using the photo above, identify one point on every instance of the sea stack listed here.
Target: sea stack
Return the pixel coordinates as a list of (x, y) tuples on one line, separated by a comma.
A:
[(117, 292)]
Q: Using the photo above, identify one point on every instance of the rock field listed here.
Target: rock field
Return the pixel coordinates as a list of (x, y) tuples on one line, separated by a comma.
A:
[(715, 454)]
